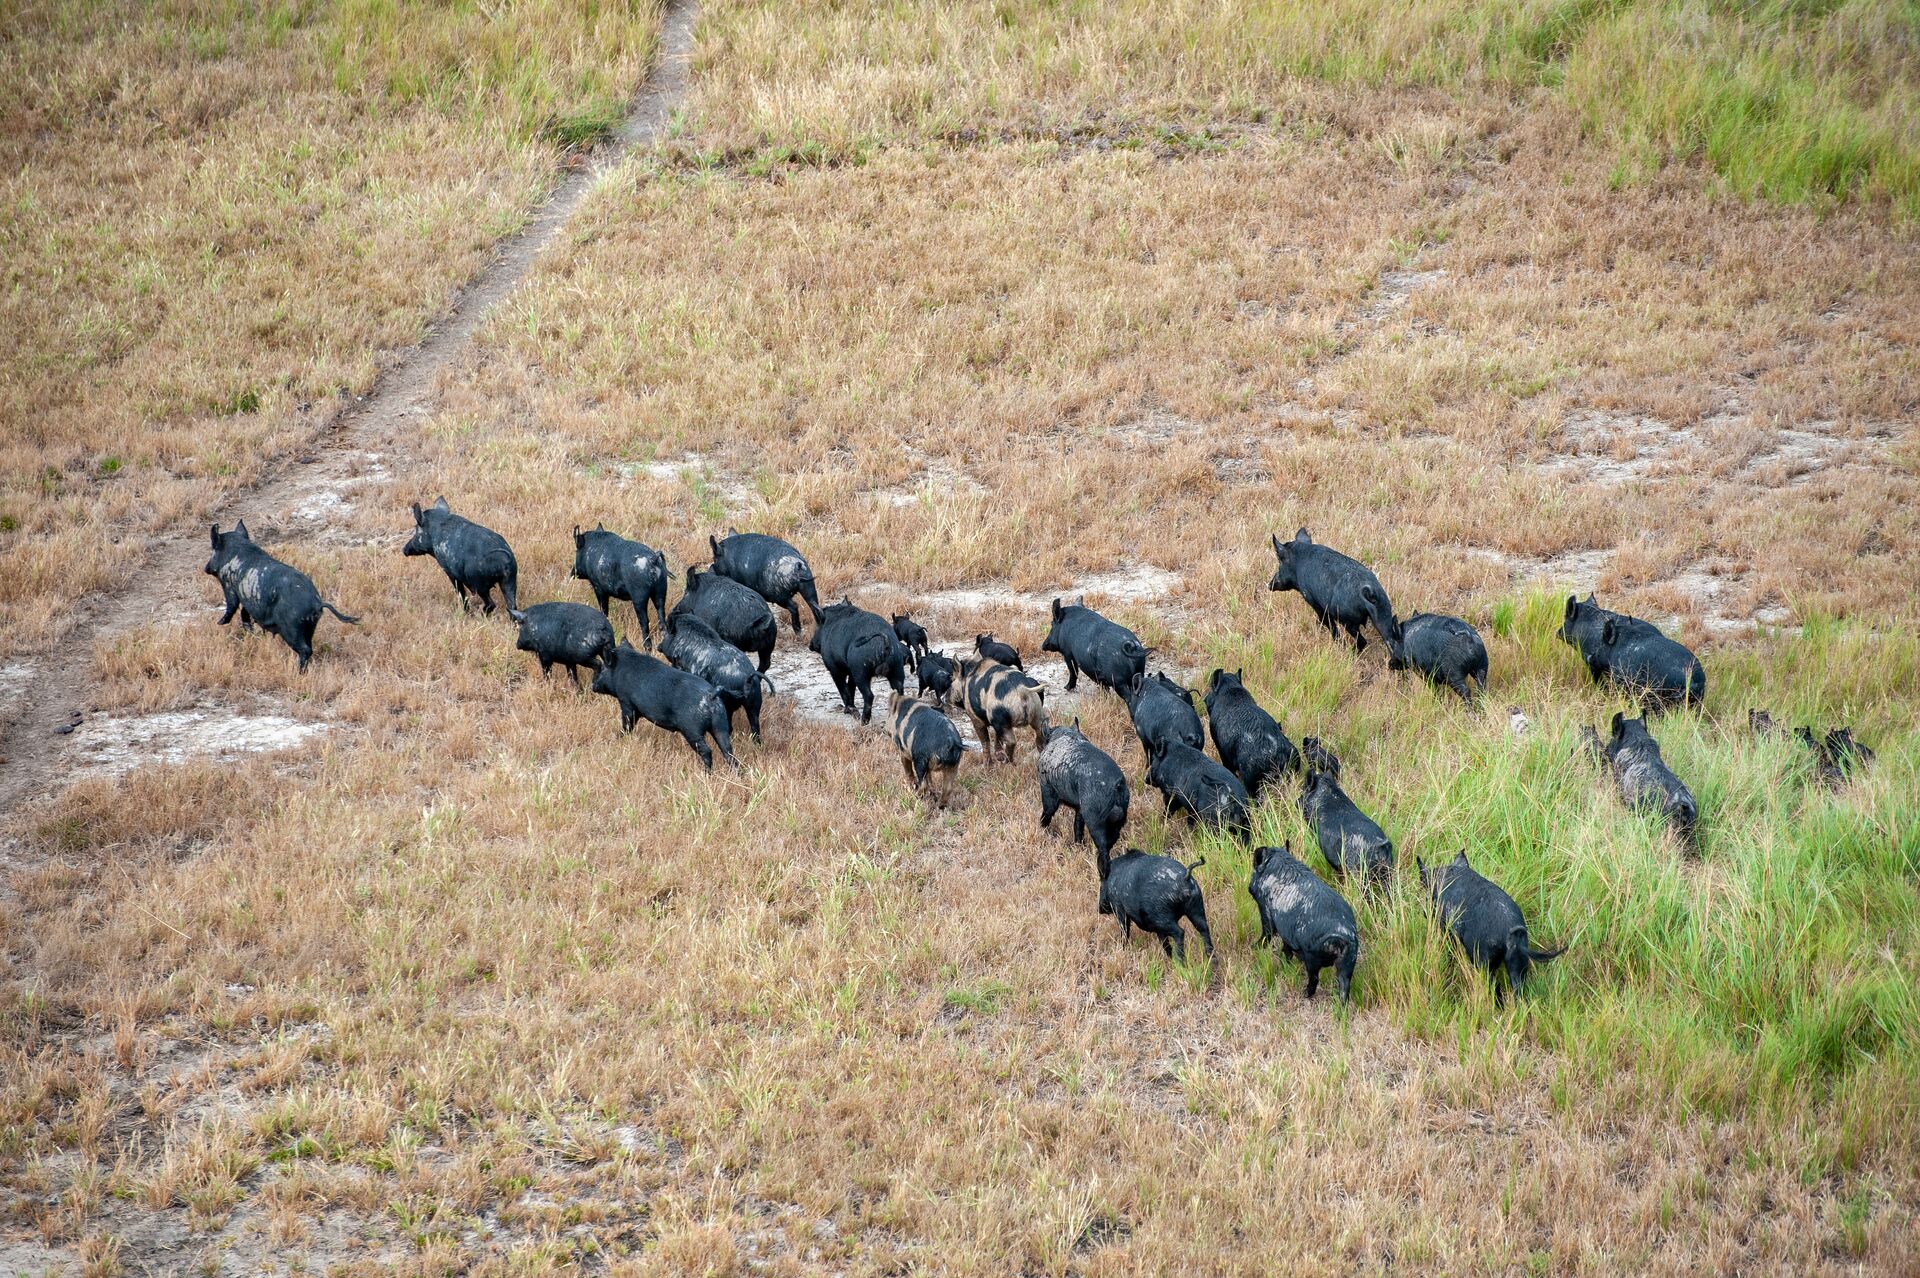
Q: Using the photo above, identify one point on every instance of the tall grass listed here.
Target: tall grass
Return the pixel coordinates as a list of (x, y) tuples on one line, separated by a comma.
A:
[(1777, 970)]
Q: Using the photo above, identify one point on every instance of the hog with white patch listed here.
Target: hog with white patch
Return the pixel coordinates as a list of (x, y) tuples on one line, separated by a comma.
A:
[(277, 597), (1078, 774), (566, 634), (1001, 699), (1312, 922), (1154, 893), (771, 568), (475, 558), (617, 567)]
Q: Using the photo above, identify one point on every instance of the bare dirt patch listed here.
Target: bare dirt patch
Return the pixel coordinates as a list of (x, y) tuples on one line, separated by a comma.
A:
[(115, 744)]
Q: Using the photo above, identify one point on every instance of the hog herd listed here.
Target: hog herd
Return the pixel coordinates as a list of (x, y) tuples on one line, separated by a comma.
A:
[(718, 641)]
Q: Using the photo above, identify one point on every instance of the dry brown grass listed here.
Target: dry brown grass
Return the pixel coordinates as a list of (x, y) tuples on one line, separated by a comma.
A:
[(496, 990), (222, 219)]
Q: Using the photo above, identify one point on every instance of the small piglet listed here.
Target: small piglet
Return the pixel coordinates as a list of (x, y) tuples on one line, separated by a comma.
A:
[(566, 634), (738, 614), (1001, 699), (1078, 774), (1192, 783), (1154, 893), (1334, 586), (1839, 754), (1633, 654), (1163, 713), (1446, 650), (771, 568), (935, 674), (648, 688), (1247, 738), (910, 633), (1645, 781), (1348, 838), (929, 744), (855, 645), (277, 597), (1111, 654), (993, 650), (474, 558), (697, 648), (1485, 920), (617, 568), (1313, 922)]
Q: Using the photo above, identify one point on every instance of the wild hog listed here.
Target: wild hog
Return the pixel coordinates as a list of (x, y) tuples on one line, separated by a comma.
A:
[(935, 675), (771, 568), (1838, 754), (617, 568), (1154, 893), (1633, 654), (1313, 922), (1163, 712), (280, 599), (855, 645), (1644, 780), (1111, 654), (1192, 783), (648, 688), (1348, 838), (993, 650), (1333, 586), (566, 634), (1001, 699), (474, 558), (910, 633), (1248, 739), (930, 747), (697, 648), (1485, 920), (1446, 650), (1078, 774), (739, 615)]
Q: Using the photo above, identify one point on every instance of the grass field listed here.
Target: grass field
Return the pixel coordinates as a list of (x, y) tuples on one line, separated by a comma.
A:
[(978, 305)]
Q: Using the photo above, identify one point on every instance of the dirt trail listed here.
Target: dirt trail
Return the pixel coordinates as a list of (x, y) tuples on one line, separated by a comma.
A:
[(372, 438)]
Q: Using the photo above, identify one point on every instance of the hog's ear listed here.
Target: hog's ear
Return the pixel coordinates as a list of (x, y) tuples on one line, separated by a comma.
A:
[(1610, 633), (241, 528), (216, 535), (1056, 608), (440, 504), (1076, 723), (599, 525), (1213, 680), (419, 516), (1303, 537), (1619, 725), (714, 542), (1276, 542), (1462, 859), (1573, 607), (578, 536)]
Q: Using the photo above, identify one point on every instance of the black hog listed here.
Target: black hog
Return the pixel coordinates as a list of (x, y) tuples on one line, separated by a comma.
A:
[(935, 674), (912, 634), (1644, 780), (566, 634), (1154, 893), (1163, 712), (855, 645), (1192, 783), (1111, 654), (1334, 586), (648, 688), (618, 568), (1349, 839), (1446, 650), (1633, 654), (1078, 774), (770, 567), (1248, 739), (474, 558), (1485, 920), (1313, 922), (277, 597), (738, 614), (697, 648), (1001, 699), (993, 650), (929, 744), (1838, 754)]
